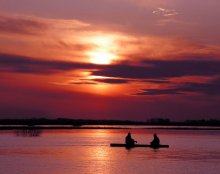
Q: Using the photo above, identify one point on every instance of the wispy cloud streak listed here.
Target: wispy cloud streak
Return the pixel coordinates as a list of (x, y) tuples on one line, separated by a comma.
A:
[(165, 12), (12, 24)]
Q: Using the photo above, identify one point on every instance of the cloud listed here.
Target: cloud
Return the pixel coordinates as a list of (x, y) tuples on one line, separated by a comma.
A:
[(159, 81), (13, 24), (165, 12), (160, 69), (209, 88), (149, 70), (96, 81), (112, 81), (82, 82), (149, 92), (159, 72), (23, 64), (60, 44), (23, 24)]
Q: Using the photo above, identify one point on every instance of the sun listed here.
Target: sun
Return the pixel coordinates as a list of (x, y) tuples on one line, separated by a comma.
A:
[(104, 51), (102, 57)]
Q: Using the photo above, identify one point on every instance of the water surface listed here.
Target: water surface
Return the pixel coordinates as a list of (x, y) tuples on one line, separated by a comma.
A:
[(85, 151)]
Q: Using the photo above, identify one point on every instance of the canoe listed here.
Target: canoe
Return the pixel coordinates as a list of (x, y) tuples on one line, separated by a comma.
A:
[(139, 145)]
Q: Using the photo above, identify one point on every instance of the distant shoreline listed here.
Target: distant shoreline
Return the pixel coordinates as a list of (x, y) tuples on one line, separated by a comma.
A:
[(68, 127), (62, 123)]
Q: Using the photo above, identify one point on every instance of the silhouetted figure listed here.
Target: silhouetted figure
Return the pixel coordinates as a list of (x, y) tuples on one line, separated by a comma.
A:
[(156, 141), (129, 141)]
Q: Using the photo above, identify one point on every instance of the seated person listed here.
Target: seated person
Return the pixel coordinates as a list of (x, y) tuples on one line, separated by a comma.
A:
[(156, 141), (129, 141)]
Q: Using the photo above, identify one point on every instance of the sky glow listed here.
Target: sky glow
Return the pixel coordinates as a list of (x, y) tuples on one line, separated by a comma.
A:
[(112, 59)]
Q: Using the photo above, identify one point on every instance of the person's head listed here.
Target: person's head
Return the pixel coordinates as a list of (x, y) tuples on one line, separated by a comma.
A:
[(155, 135)]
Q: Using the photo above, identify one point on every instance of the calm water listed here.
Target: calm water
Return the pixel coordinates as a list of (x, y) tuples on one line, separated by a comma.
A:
[(88, 152)]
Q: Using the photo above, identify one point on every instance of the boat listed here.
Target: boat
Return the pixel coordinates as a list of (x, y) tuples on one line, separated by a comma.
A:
[(139, 145)]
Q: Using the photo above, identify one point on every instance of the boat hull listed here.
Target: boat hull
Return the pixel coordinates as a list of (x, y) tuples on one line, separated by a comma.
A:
[(139, 145)]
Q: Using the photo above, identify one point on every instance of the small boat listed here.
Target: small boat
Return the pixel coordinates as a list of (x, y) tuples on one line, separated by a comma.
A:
[(139, 145)]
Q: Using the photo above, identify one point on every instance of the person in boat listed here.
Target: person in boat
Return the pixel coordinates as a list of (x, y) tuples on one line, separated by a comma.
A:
[(156, 141), (129, 141)]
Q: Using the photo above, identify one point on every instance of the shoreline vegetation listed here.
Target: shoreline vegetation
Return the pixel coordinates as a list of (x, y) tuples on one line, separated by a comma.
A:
[(65, 123)]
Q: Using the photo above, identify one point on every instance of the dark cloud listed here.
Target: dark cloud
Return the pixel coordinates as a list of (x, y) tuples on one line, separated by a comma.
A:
[(209, 88), (112, 81), (20, 25), (159, 81), (22, 64), (158, 92), (162, 69), (158, 71), (96, 81)]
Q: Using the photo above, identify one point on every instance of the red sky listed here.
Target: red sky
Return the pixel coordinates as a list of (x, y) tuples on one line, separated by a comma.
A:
[(112, 59)]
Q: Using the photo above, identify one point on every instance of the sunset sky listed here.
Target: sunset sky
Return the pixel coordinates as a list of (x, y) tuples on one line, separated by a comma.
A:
[(110, 59)]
